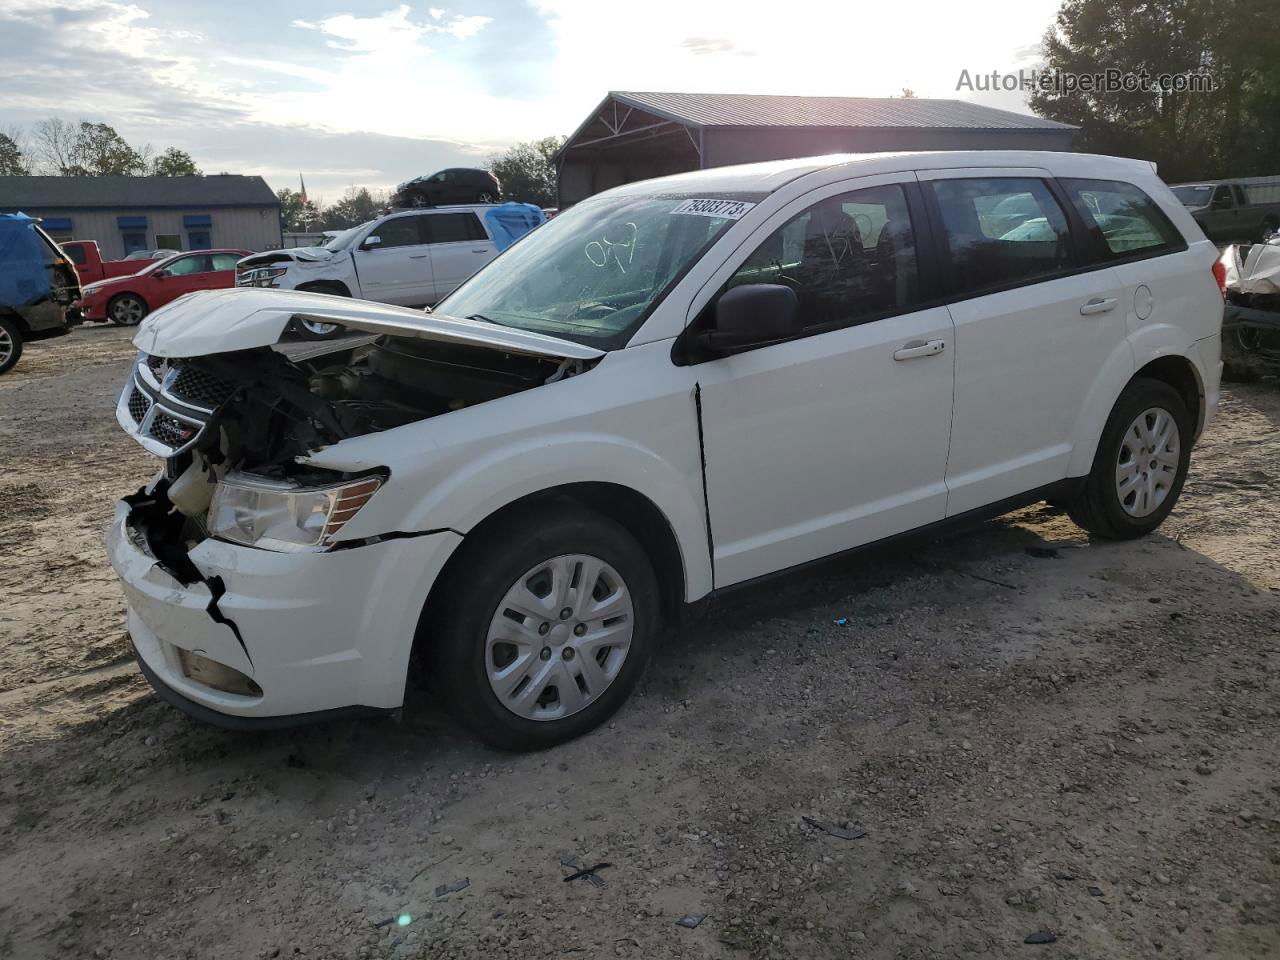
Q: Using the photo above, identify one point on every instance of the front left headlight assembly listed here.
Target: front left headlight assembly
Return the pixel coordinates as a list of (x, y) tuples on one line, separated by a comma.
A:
[(278, 515)]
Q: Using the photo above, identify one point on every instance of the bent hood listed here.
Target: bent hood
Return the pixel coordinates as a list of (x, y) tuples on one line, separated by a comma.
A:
[(223, 321), (303, 254)]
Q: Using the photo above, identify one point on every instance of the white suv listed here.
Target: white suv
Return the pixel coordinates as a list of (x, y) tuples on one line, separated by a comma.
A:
[(674, 388), (412, 257)]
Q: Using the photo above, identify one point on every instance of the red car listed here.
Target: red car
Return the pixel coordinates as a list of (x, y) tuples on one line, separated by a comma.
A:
[(126, 300)]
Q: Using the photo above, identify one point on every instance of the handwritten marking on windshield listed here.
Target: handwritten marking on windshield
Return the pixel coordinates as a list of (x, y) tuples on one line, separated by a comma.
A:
[(622, 252)]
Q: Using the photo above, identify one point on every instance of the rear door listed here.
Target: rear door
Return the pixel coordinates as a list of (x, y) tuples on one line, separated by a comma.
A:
[(1033, 327), (459, 247), (398, 268)]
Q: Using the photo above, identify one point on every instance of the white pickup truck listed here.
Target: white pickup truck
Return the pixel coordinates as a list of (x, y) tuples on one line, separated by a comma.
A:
[(407, 257)]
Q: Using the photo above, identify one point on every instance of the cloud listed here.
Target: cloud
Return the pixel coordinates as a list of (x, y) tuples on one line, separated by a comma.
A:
[(703, 46)]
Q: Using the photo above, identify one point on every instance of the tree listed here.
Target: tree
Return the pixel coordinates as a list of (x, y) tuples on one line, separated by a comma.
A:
[(86, 149), (527, 171), (13, 160), (1232, 129), (174, 163), (358, 205), (907, 94), (294, 215)]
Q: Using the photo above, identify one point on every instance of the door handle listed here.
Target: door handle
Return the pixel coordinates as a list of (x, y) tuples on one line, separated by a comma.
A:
[(481, 250), (919, 348), (1098, 305), (417, 256)]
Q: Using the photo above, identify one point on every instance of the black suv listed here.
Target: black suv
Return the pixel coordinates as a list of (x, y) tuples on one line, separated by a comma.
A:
[(38, 286), (455, 185)]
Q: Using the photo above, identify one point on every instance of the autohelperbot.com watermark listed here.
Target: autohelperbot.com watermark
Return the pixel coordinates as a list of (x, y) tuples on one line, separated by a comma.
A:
[(1109, 80)]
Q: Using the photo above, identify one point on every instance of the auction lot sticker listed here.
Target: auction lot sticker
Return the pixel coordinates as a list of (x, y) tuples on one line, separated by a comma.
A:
[(725, 209)]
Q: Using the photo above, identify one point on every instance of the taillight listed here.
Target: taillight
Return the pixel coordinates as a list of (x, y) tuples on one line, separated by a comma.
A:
[(1220, 275)]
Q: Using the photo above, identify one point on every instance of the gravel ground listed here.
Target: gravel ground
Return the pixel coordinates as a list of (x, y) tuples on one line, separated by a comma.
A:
[(1041, 737)]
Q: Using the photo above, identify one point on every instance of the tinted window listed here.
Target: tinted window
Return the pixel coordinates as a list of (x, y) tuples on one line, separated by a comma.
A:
[(1002, 231), (454, 228), (398, 232), (184, 266), (1223, 196), (225, 261), (850, 258), (1122, 219)]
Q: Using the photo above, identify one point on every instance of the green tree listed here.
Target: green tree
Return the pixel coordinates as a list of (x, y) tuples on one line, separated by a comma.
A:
[(358, 205), (1234, 129), (174, 163), (527, 171), (13, 161), (86, 149), (294, 215)]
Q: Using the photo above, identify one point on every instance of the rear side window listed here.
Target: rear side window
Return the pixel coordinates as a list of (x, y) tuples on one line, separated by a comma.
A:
[(850, 258), (1122, 220), (454, 228), (1002, 231)]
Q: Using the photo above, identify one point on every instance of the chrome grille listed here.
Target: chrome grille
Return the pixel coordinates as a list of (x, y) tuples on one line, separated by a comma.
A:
[(193, 385), (166, 404)]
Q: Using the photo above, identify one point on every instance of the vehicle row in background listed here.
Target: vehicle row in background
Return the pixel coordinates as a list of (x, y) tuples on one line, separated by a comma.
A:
[(38, 285), (127, 299), (407, 257), (1242, 210), (91, 267), (1249, 275)]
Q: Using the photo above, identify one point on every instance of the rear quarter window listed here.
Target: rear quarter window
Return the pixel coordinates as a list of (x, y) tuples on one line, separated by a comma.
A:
[(1122, 220)]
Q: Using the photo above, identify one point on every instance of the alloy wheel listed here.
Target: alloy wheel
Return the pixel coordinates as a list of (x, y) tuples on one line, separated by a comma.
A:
[(318, 328), (127, 311), (7, 347), (1147, 464), (559, 637)]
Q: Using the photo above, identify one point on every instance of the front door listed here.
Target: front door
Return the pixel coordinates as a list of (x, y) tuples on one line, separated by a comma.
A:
[(398, 268), (839, 437), (459, 247), (1032, 332)]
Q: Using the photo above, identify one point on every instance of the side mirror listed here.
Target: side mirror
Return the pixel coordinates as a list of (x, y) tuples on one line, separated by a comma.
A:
[(370, 242), (161, 274), (752, 315)]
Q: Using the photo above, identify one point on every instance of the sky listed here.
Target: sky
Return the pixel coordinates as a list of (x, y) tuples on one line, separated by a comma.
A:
[(373, 92)]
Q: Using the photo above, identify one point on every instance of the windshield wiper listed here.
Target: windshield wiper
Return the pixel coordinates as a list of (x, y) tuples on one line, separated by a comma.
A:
[(483, 319)]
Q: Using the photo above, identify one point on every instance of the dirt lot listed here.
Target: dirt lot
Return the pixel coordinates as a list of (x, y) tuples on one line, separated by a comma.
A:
[(1036, 732)]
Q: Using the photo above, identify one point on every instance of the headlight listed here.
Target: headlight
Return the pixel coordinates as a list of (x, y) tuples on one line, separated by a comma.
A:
[(259, 276), (278, 515)]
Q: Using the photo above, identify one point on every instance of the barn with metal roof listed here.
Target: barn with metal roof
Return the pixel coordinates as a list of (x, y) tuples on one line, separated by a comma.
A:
[(633, 136)]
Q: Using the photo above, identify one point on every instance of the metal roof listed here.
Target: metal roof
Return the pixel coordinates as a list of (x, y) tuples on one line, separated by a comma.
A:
[(759, 110), (114, 193)]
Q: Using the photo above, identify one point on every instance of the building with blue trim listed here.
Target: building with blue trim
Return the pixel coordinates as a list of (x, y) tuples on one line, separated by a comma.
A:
[(126, 214)]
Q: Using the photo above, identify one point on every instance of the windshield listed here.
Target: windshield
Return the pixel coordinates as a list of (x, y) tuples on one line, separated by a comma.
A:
[(594, 273), (1195, 196), (343, 240)]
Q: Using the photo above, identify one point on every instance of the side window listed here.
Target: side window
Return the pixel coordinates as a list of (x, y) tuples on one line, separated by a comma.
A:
[(1001, 231), (454, 228), (1123, 220), (850, 258), (398, 232), (1222, 197), (225, 261), (184, 266)]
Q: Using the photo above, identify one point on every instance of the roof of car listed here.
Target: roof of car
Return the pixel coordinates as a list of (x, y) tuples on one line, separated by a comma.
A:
[(771, 175)]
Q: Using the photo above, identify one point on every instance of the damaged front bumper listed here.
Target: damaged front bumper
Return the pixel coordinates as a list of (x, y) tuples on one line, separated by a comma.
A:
[(313, 635)]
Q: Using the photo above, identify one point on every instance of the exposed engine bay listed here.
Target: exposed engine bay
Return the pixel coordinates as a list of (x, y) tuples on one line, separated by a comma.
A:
[(1251, 318), (260, 411)]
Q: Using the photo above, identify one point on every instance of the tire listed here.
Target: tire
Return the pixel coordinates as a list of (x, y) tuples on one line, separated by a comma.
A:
[(1269, 226), (416, 198), (1099, 507), (314, 330), (127, 310), (486, 196), (1238, 373), (470, 627), (10, 344)]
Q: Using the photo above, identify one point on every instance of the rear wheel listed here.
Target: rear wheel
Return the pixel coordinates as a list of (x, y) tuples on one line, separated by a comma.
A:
[(1140, 466), (1269, 226), (548, 624), (10, 344), (486, 196), (127, 309)]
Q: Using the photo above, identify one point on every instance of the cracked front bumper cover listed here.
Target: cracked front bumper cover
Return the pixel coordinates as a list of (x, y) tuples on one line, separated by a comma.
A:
[(321, 632)]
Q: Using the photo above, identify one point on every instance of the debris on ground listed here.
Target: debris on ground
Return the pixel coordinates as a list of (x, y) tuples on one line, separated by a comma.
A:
[(587, 872), (691, 920), (1040, 936), (447, 888), (848, 832)]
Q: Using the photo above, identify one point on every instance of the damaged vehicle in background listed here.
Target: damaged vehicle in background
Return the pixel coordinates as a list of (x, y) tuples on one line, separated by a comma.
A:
[(1249, 275), (38, 286), (673, 389)]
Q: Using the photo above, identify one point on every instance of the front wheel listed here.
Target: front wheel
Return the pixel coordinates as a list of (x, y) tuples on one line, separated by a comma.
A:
[(10, 344), (548, 623), (1140, 466), (127, 310), (316, 329)]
